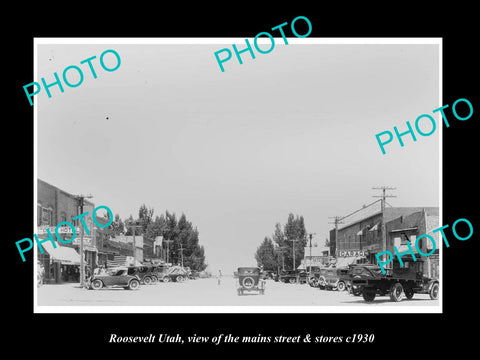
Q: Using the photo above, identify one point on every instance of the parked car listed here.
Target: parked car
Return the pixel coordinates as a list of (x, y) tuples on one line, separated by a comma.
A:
[(268, 275), (397, 282), (332, 278), (293, 276), (114, 277), (175, 274), (144, 273), (314, 276), (250, 281)]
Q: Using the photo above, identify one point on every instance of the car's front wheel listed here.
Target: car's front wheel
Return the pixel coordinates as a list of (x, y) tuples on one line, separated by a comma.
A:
[(368, 294), (134, 284), (434, 291), (154, 280), (341, 286), (147, 280), (166, 279), (96, 284), (180, 278), (292, 280), (396, 292), (409, 294)]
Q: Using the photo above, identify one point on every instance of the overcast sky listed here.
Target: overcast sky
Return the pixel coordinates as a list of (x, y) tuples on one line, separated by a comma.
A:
[(290, 131)]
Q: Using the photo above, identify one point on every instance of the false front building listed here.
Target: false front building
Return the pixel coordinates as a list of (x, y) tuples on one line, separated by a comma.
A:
[(374, 228)]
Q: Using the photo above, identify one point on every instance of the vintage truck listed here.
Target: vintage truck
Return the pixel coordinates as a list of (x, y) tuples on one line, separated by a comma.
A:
[(398, 281)]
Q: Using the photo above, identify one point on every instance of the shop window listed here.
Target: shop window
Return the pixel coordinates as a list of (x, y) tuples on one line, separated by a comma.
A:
[(397, 241), (39, 215), (46, 218)]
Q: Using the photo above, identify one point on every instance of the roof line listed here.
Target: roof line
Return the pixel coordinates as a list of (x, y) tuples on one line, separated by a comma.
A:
[(360, 209)]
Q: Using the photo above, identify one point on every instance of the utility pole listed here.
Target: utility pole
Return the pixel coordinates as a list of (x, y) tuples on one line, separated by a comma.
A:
[(293, 250), (337, 220), (310, 268), (134, 225), (168, 249), (383, 196), (181, 252), (80, 201), (279, 250)]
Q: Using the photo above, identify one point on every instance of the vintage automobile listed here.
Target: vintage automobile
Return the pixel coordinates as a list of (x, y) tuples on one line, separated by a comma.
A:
[(399, 281), (114, 277), (144, 273), (249, 280), (293, 276), (329, 278), (175, 274)]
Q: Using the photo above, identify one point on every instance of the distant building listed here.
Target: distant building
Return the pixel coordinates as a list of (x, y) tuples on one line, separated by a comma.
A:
[(315, 256), (121, 245)]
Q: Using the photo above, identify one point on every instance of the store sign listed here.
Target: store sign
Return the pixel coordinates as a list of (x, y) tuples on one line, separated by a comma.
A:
[(60, 229), (347, 253), (87, 240)]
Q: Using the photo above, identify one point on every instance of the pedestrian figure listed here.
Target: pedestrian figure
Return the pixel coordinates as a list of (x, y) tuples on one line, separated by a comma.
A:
[(219, 276)]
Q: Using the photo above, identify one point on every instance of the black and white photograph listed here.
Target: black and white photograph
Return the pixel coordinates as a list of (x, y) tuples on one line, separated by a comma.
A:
[(240, 190), (215, 179)]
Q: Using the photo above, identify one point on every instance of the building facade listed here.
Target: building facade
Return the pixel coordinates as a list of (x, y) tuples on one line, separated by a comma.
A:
[(363, 234), (120, 245), (54, 206), (315, 256)]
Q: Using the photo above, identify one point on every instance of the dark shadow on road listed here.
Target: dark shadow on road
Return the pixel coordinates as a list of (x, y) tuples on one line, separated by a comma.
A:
[(379, 301)]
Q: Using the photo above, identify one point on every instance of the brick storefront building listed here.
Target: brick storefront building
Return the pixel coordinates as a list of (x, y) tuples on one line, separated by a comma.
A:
[(53, 207), (370, 230)]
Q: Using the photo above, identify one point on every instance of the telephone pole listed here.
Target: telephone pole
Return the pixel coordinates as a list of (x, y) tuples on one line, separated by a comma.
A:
[(181, 252), (134, 225), (310, 238), (337, 220), (293, 251), (168, 249), (383, 196), (81, 201)]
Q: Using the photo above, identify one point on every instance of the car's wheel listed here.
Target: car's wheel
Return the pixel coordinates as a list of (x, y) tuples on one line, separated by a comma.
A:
[(396, 292), (166, 279), (154, 280), (341, 286), (321, 281), (409, 293), (292, 280), (368, 294), (147, 280), (434, 291), (180, 278), (96, 284), (248, 282), (313, 282), (134, 284)]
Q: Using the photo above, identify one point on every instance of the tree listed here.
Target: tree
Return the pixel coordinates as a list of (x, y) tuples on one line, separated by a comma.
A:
[(145, 217), (327, 243), (294, 229), (117, 226), (265, 255)]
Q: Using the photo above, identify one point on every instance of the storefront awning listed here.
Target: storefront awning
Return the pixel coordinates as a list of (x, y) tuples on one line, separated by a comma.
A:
[(66, 255)]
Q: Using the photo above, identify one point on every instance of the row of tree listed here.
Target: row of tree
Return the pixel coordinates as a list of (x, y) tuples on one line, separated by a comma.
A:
[(276, 252), (182, 235)]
